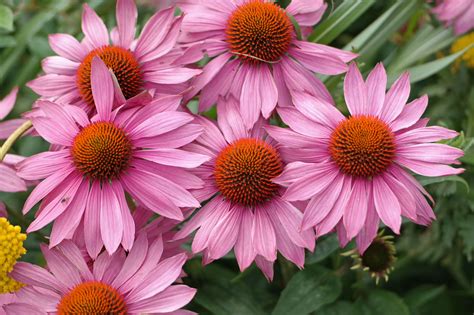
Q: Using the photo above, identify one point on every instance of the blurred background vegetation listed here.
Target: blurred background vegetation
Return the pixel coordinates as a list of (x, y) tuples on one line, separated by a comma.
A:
[(434, 270)]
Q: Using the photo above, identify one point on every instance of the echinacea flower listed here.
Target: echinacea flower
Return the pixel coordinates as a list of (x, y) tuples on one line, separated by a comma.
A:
[(353, 170), (457, 13), (246, 211), (137, 64), (137, 283), (258, 58), (9, 182), (133, 150)]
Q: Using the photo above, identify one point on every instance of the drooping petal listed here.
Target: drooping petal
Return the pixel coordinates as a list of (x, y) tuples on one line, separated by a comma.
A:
[(387, 204)]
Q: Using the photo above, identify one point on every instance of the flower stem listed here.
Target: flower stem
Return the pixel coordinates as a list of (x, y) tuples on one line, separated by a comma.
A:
[(13, 137)]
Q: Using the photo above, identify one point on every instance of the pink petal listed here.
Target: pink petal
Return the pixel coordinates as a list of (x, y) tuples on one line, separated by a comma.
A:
[(230, 120), (10, 181), (334, 216), (317, 110), (320, 205), (289, 138), (61, 268), (45, 187), (133, 262), (159, 124), (170, 300), (265, 266), (173, 157), (52, 85), (355, 91), (224, 235), (94, 28), (67, 46), (387, 204), (302, 124), (410, 114), (128, 223), (126, 12), (69, 220), (168, 269), (142, 189), (376, 84), (37, 276), (59, 65), (356, 211), (370, 227), (264, 239), (7, 103), (244, 249), (311, 184), (396, 98), (319, 62), (111, 223), (92, 234), (102, 89), (154, 31)]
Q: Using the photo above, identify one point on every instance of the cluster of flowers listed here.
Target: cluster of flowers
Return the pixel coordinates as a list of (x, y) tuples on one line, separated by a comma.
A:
[(125, 147)]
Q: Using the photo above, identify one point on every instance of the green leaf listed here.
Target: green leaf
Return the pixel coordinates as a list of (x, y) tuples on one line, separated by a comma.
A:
[(425, 181), (324, 248), (421, 72), (221, 296), (421, 295), (425, 42), (6, 18), (374, 37), (348, 12), (339, 308), (385, 302), (308, 290), (7, 41)]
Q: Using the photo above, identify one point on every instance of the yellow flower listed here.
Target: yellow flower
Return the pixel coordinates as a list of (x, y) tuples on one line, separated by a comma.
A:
[(461, 43), (11, 249)]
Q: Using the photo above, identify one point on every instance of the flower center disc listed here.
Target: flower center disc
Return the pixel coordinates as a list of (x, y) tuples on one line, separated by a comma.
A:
[(101, 150), (123, 64), (92, 298), (11, 249), (244, 171), (259, 31), (362, 146), (378, 257)]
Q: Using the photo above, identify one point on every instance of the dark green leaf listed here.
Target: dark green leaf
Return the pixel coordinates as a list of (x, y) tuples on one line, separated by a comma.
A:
[(308, 290), (324, 248), (385, 302)]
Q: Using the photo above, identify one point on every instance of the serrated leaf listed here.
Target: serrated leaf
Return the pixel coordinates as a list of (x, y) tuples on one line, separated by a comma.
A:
[(6, 18), (308, 290), (336, 23)]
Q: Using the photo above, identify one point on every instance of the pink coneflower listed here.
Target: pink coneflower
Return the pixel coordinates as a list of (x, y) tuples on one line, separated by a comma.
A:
[(138, 64), (246, 211), (457, 13), (131, 149), (258, 57), (353, 170), (9, 182), (137, 283)]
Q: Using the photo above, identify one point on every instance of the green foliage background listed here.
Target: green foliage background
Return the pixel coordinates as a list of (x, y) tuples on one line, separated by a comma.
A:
[(434, 272)]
